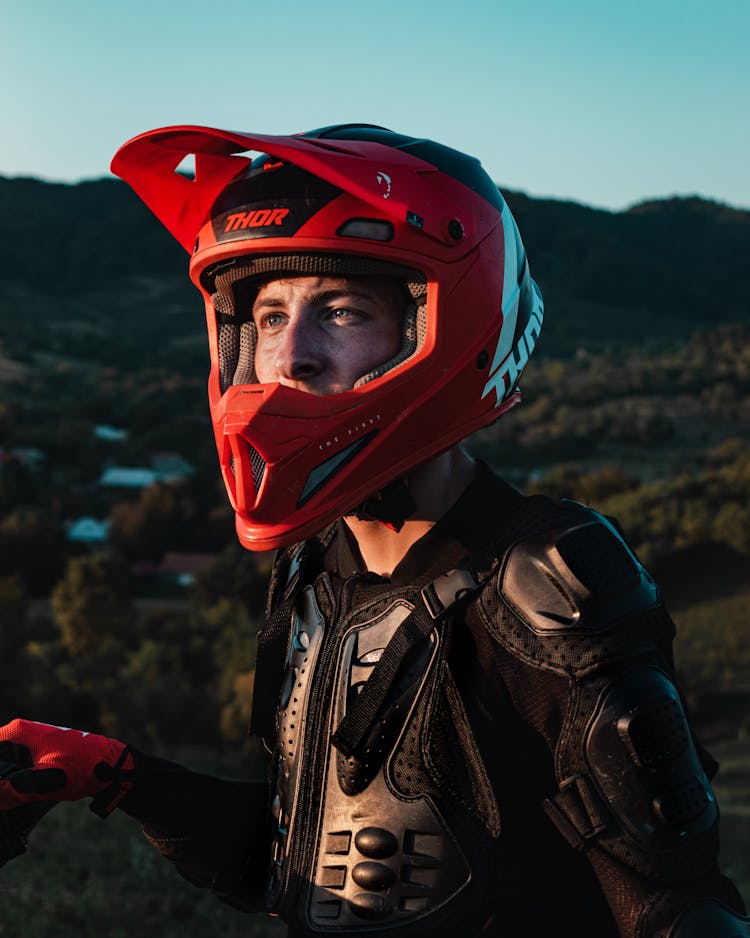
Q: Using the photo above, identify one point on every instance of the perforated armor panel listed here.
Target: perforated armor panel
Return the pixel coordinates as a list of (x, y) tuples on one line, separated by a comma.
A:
[(642, 760)]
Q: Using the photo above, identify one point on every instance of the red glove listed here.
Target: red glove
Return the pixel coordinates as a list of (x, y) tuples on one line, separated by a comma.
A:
[(55, 763)]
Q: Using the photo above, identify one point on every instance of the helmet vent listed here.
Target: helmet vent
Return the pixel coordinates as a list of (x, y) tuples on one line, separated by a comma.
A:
[(371, 228), (322, 473), (258, 467), (186, 167)]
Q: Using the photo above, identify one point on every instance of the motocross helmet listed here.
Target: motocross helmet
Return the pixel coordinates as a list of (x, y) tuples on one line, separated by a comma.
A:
[(346, 201)]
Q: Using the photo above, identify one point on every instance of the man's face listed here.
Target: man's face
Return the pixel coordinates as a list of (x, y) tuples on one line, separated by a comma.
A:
[(320, 334)]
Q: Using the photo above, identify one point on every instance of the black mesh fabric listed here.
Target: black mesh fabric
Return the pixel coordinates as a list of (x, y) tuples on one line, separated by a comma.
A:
[(454, 758), (258, 466), (407, 766), (244, 372)]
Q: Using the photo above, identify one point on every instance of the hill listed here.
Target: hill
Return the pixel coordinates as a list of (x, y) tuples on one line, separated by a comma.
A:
[(643, 357), (651, 275)]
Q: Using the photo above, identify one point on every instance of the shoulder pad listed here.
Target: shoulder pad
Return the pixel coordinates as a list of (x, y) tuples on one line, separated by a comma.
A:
[(285, 575), (580, 576)]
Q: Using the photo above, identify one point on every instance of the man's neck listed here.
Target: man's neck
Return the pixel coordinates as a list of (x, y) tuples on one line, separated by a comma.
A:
[(436, 486)]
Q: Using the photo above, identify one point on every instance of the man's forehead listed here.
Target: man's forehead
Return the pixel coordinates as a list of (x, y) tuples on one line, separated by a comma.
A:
[(380, 289)]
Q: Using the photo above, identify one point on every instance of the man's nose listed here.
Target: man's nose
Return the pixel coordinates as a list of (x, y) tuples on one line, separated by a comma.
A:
[(299, 356)]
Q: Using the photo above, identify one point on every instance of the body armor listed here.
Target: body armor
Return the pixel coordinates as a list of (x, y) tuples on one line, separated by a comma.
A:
[(367, 841), (384, 816)]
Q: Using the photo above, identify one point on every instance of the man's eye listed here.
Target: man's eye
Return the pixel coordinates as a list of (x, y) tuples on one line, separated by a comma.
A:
[(342, 314), (270, 320)]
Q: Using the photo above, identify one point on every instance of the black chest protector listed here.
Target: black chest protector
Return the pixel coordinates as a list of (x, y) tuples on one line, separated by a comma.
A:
[(383, 818), (363, 836)]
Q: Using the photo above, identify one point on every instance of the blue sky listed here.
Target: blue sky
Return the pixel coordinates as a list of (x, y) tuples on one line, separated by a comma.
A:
[(605, 103)]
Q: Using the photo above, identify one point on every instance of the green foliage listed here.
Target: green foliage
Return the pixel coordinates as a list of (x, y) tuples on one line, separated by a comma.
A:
[(235, 574), (640, 277), (167, 684), (179, 684), (112, 234), (712, 649), (592, 488), (92, 605), (157, 674), (163, 516), (707, 507), (652, 408), (40, 692)]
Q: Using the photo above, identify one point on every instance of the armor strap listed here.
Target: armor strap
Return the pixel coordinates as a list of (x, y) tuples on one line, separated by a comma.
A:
[(272, 644), (269, 664), (577, 812), (436, 600)]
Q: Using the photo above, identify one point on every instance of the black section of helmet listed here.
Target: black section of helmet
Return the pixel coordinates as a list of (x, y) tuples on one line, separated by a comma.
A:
[(466, 169), (245, 208)]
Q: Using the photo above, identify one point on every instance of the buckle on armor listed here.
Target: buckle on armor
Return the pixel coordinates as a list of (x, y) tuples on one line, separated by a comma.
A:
[(576, 811), (448, 589)]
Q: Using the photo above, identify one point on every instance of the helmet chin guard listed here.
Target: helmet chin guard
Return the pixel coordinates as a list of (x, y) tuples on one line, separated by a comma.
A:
[(346, 201)]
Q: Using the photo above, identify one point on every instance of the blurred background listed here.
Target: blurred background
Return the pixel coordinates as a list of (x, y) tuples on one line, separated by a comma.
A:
[(619, 139)]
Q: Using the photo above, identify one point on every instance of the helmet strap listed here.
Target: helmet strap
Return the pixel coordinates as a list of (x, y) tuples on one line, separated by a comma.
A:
[(390, 506)]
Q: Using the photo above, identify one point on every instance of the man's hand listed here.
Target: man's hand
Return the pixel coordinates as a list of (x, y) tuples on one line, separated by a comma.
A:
[(42, 763)]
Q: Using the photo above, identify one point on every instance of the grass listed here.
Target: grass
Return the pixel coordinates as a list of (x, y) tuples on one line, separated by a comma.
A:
[(732, 786), (712, 655), (713, 660), (84, 878)]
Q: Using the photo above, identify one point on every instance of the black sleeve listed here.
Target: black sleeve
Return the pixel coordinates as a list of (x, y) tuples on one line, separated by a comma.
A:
[(584, 649), (212, 829)]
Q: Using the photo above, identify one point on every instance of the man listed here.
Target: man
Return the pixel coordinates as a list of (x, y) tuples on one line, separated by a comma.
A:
[(467, 695)]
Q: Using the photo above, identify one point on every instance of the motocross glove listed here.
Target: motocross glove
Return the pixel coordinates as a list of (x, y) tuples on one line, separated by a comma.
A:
[(17, 824), (62, 764)]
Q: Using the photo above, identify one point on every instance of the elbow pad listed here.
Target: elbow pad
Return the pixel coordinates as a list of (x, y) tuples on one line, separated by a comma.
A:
[(576, 600)]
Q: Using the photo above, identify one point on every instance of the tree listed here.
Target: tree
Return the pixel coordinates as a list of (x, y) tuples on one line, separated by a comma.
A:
[(33, 547), (235, 574), (164, 516), (92, 604)]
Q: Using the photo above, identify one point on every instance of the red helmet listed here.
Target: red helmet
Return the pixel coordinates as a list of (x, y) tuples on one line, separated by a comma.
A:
[(343, 201)]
